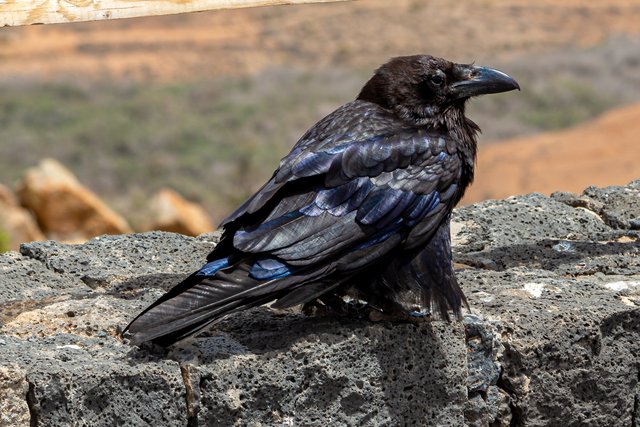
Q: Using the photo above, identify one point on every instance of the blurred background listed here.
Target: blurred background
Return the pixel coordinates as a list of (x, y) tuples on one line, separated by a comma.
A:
[(171, 122)]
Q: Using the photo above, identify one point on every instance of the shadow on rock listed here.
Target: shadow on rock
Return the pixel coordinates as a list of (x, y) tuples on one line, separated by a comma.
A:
[(561, 256), (276, 367)]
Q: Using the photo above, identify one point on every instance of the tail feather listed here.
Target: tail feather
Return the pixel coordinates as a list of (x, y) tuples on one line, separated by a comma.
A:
[(165, 334), (419, 277), (193, 304), (305, 293), (199, 301), (429, 272)]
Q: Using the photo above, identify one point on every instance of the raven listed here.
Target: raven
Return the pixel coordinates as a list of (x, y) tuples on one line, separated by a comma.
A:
[(360, 207)]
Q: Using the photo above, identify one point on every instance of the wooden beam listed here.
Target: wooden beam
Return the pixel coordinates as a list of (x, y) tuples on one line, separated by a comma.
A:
[(27, 12)]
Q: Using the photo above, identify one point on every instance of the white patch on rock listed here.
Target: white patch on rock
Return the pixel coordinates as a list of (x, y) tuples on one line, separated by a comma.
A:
[(628, 301), (70, 346), (485, 296), (288, 422), (564, 247), (234, 397), (534, 289), (621, 286), (460, 230)]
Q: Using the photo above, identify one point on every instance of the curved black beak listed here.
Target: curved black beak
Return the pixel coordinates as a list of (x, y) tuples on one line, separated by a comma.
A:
[(481, 81)]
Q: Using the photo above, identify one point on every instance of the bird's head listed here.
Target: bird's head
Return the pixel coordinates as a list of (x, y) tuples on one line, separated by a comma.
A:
[(421, 88)]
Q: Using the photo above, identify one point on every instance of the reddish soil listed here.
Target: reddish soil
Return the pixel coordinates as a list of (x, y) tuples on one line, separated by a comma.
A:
[(603, 152)]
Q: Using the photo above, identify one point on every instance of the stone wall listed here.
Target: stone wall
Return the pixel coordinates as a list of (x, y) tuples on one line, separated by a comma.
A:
[(552, 337)]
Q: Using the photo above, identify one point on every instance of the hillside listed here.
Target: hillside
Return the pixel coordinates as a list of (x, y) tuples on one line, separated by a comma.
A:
[(602, 152)]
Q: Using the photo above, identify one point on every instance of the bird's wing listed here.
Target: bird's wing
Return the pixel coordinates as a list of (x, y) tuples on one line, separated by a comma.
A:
[(350, 195), (353, 122)]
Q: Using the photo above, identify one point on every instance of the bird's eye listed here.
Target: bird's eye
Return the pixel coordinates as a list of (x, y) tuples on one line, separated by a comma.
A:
[(437, 80)]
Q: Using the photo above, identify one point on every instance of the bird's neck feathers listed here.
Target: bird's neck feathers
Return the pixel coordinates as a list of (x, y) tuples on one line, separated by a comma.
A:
[(453, 121), (465, 132), (462, 129), (417, 113)]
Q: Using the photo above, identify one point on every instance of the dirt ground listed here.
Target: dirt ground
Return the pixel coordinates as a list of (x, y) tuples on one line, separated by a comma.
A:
[(348, 34)]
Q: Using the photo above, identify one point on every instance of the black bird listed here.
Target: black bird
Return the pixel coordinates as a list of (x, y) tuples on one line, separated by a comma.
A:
[(359, 207)]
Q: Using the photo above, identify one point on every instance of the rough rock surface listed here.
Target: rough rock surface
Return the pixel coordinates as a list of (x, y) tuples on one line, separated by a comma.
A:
[(172, 212), (552, 337), (65, 209)]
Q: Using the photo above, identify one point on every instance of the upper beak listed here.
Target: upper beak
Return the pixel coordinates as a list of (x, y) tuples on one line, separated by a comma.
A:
[(481, 81)]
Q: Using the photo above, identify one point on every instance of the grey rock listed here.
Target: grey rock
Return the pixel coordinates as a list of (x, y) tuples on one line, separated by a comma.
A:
[(76, 381), (313, 371), (538, 232), (24, 281), (578, 201), (568, 346), (636, 407), (552, 337), (125, 262), (619, 206), (527, 219)]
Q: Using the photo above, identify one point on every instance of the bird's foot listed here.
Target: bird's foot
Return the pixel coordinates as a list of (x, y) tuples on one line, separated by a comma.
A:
[(314, 308), (397, 314), (334, 305), (326, 305)]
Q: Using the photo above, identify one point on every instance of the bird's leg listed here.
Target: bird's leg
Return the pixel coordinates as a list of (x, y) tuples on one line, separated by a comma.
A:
[(334, 305), (312, 307), (397, 314), (328, 304)]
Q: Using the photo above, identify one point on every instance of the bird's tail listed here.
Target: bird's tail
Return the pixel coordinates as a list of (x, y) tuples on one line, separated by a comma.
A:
[(197, 302), (217, 290), (421, 278)]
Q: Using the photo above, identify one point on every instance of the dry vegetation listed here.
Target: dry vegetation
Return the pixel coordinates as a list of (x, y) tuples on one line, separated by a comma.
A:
[(207, 103)]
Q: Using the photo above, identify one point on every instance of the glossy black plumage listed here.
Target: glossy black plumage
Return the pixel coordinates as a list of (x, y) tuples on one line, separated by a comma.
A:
[(359, 207)]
